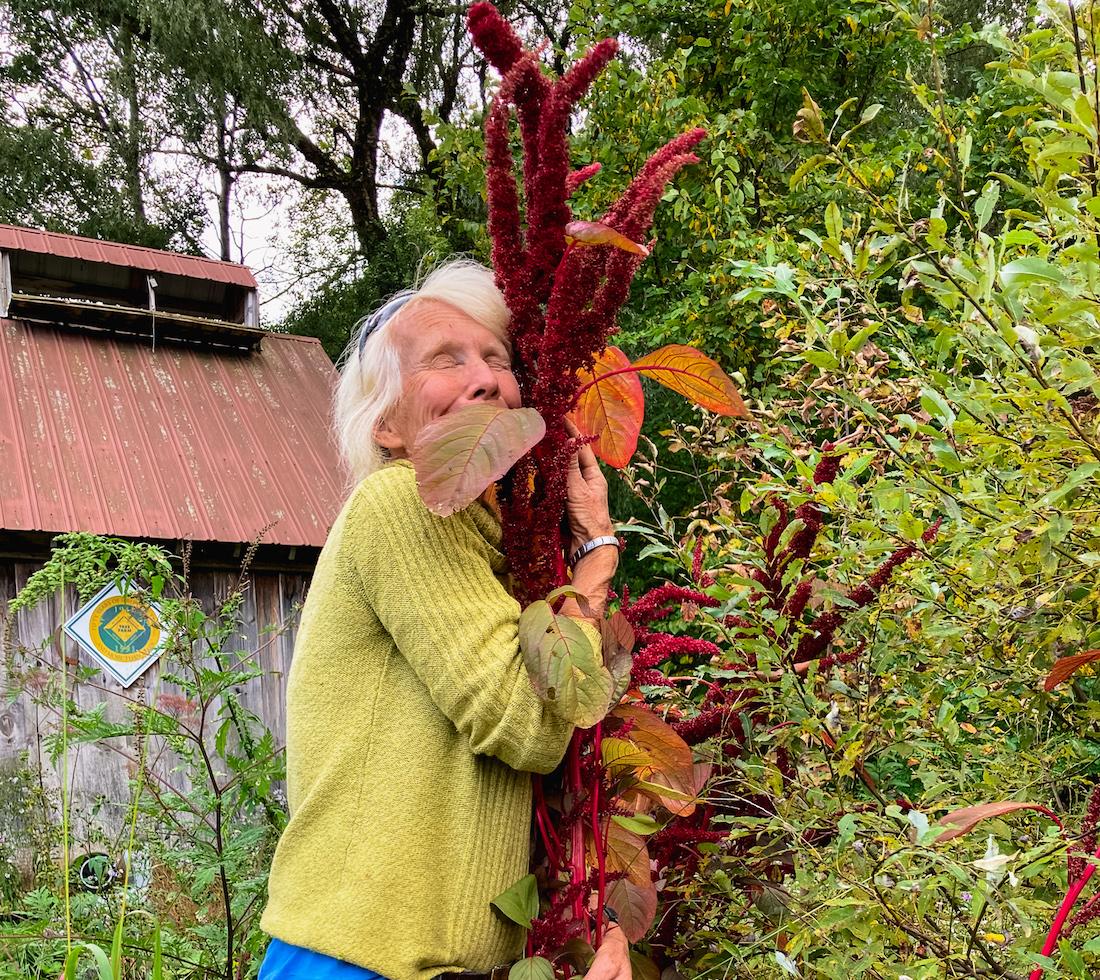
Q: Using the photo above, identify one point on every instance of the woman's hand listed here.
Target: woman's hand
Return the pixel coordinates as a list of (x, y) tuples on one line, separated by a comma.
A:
[(612, 960), (586, 507), (586, 496)]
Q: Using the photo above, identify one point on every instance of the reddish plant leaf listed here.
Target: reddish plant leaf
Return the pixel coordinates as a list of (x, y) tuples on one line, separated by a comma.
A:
[(669, 772), (963, 821), (1066, 667), (596, 233), (458, 455), (635, 905), (702, 772), (626, 851), (692, 374), (618, 640), (611, 407), (577, 953)]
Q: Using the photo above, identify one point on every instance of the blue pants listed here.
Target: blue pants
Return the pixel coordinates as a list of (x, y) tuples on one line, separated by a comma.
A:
[(285, 962)]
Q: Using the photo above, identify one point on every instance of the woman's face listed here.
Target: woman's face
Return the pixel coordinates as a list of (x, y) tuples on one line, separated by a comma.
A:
[(448, 361)]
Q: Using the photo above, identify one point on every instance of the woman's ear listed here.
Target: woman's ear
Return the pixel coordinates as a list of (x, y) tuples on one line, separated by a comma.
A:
[(387, 437)]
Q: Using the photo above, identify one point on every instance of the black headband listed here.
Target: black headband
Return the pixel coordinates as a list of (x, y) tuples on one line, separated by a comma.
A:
[(382, 315)]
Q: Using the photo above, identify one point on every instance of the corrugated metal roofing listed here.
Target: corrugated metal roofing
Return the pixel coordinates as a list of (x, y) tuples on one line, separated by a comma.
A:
[(106, 435), (14, 238)]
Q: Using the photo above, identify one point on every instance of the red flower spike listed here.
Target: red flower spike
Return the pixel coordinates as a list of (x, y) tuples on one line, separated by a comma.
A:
[(578, 177), (706, 724), (828, 466), (494, 36), (664, 646), (504, 224), (564, 302), (657, 603), (697, 560), (771, 540), (802, 541), (813, 645), (637, 220), (930, 533), (796, 604), (676, 146)]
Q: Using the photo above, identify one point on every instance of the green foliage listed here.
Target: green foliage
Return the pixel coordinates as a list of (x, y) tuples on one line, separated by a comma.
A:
[(413, 244), (204, 851), (520, 903), (939, 325)]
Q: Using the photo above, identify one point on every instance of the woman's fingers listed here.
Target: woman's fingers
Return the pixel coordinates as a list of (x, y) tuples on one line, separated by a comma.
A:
[(587, 458)]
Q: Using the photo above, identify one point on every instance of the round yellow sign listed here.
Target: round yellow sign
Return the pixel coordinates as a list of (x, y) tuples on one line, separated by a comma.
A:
[(123, 629)]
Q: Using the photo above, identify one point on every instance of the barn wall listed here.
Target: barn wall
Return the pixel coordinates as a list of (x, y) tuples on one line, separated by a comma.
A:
[(99, 773)]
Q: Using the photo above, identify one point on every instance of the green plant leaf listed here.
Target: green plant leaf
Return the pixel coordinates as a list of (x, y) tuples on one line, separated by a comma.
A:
[(936, 405), (520, 902), (116, 948), (562, 665), (870, 112), (1023, 272), (983, 210), (103, 964), (641, 823), (532, 968), (807, 167), (458, 455), (820, 358)]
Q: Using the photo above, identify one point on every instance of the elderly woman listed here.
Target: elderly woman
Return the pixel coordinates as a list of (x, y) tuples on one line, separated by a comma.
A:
[(412, 726)]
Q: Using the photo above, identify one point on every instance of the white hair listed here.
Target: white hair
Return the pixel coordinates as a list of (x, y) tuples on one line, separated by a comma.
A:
[(370, 370)]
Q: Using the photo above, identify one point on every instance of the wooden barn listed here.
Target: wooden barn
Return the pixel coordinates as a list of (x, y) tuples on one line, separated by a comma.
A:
[(139, 398)]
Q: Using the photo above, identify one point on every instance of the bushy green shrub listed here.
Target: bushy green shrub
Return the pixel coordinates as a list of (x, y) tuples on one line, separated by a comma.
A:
[(951, 353)]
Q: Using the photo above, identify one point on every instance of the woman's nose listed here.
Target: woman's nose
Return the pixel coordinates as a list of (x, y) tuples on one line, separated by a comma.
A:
[(482, 382)]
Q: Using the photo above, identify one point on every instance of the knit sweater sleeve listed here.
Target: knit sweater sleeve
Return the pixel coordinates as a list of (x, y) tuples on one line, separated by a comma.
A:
[(429, 581)]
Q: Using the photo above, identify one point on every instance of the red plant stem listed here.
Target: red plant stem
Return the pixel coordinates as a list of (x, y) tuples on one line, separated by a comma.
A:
[(578, 872), (634, 370), (546, 828), (597, 837), (559, 566), (1063, 913), (698, 680)]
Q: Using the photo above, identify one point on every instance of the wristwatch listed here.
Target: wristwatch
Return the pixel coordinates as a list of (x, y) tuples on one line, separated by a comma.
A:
[(592, 545)]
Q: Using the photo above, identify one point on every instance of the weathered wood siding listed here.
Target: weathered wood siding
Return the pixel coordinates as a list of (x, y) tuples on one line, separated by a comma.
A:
[(99, 774)]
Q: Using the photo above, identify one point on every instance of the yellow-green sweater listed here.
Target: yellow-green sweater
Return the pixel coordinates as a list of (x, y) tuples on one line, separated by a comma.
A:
[(412, 730)]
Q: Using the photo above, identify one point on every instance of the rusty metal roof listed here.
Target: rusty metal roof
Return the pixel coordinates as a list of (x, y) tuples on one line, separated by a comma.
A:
[(16, 239), (104, 434)]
